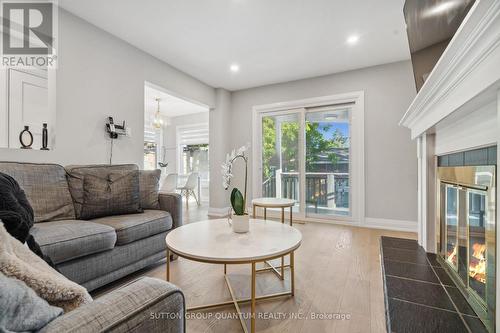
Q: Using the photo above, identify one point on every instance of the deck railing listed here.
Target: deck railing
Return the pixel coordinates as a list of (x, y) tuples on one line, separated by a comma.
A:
[(322, 189)]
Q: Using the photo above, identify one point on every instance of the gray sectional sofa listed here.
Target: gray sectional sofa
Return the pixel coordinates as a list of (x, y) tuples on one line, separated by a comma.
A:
[(92, 252), (98, 251)]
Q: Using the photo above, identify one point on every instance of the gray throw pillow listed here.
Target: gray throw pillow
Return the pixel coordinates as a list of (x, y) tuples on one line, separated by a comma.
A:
[(149, 185), (22, 310), (114, 194)]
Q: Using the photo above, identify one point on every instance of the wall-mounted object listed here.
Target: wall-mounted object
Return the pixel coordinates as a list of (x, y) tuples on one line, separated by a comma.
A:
[(430, 25), (45, 137), (115, 130), (26, 138)]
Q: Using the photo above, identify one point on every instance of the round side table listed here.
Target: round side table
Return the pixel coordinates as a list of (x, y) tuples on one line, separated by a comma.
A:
[(275, 203)]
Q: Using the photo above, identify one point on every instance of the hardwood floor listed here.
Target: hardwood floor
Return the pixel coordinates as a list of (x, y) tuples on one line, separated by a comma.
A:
[(337, 272)]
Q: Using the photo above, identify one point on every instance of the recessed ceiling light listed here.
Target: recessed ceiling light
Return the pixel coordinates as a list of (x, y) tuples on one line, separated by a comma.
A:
[(440, 8), (353, 39), (235, 68)]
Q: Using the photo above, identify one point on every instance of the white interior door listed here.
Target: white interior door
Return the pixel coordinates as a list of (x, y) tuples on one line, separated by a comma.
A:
[(29, 106)]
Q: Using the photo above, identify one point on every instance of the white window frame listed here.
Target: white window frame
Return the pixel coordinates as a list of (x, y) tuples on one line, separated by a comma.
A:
[(357, 169)]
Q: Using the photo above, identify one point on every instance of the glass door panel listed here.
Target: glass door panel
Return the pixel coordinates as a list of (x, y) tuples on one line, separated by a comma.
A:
[(477, 242), (327, 162), (280, 156), (451, 219)]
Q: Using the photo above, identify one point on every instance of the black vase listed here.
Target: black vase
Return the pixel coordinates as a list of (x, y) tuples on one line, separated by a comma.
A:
[(26, 138), (45, 137)]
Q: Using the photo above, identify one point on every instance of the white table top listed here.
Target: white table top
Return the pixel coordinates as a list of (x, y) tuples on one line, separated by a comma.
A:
[(273, 202), (215, 241)]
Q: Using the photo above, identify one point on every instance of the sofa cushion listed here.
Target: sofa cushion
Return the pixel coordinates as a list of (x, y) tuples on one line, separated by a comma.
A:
[(76, 175), (17, 261), (70, 239), (46, 188), (149, 185), (133, 227), (114, 194)]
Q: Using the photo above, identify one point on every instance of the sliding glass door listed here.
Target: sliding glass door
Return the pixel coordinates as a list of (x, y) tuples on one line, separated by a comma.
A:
[(305, 156), (327, 162), (280, 156)]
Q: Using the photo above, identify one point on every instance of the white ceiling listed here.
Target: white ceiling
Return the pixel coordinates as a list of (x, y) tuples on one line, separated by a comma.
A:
[(271, 40), (170, 106)]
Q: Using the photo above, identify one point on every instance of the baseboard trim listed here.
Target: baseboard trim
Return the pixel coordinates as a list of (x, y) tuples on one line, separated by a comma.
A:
[(218, 212), (369, 222), (390, 224)]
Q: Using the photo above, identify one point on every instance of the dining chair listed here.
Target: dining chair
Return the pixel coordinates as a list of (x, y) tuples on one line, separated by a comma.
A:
[(170, 183), (189, 187)]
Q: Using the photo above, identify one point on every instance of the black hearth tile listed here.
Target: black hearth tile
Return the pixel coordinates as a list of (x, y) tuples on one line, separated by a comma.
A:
[(413, 318), (410, 271), (433, 260), (460, 301), (399, 243), (409, 256), (444, 277), (418, 292), (475, 324)]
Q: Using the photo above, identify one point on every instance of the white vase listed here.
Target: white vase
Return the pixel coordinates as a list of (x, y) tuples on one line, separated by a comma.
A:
[(240, 223)]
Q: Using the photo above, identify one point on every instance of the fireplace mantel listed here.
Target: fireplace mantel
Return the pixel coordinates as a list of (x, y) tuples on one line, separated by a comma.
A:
[(457, 110), (467, 74)]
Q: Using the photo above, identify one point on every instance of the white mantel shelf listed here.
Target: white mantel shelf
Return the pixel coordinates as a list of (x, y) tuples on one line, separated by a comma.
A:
[(458, 109), (467, 73)]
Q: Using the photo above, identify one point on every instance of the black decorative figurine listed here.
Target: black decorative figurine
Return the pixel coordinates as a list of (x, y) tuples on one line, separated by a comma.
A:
[(26, 138), (45, 137)]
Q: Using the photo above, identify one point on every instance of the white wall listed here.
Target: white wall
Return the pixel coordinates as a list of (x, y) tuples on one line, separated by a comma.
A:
[(220, 137), (475, 129), (390, 162), (101, 75)]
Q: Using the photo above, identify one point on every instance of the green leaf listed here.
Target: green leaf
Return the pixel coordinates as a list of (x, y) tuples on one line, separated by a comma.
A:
[(237, 202)]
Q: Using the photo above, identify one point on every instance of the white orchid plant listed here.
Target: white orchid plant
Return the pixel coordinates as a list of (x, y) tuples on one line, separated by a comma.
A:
[(238, 201)]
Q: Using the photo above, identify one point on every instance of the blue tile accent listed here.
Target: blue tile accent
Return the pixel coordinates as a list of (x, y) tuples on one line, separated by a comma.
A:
[(443, 161), (483, 156), (456, 159), (492, 155), (476, 157)]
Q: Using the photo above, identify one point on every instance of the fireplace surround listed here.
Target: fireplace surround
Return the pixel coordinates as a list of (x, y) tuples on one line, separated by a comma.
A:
[(466, 233)]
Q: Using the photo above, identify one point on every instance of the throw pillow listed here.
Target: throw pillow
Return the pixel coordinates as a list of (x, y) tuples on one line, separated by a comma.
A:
[(22, 309), (76, 174), (149, 185), (17, 261), (115, 194)]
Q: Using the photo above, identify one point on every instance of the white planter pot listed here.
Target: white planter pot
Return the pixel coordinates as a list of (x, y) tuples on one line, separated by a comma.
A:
[(240, 223)]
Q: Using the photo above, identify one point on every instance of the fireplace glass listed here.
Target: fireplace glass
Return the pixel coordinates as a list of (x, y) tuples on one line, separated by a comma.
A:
[(467, 234), (477, 242), (451, 224)]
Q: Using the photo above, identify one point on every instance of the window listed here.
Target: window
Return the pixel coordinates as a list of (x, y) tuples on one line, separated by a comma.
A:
[(311, 151)]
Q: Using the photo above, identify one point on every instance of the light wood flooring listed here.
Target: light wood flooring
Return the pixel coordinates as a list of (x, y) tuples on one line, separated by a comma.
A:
[(337, 272)]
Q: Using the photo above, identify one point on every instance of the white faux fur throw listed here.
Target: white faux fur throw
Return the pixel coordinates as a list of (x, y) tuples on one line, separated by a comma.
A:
[(17, 261)]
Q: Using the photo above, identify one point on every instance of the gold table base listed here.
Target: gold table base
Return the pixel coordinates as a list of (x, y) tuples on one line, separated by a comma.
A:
[(253, 298)]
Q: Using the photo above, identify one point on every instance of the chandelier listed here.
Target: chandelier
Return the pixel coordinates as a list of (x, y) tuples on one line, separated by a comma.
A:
[(157, 121)]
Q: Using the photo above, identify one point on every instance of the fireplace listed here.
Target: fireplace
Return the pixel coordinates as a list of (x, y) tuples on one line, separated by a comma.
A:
[(466, 234)]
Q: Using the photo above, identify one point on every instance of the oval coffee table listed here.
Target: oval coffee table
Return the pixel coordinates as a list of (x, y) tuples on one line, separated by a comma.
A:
[(214, 242)]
